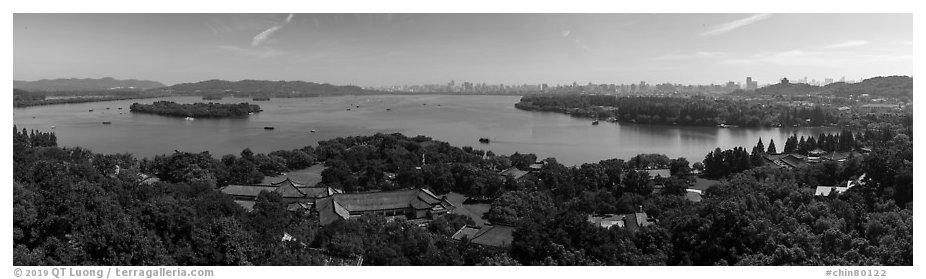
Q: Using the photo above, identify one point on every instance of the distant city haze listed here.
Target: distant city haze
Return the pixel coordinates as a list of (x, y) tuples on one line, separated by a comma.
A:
[(400, 49)]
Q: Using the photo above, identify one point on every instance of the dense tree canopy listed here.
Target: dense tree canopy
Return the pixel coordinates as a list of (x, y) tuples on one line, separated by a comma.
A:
[(70, 207), (208, 110), (693, 111)]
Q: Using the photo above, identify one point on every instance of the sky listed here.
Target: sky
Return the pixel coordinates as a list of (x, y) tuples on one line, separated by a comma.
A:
[(399, 49)]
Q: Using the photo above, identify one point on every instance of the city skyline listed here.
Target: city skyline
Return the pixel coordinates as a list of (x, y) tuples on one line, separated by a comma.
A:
[(395, 49)]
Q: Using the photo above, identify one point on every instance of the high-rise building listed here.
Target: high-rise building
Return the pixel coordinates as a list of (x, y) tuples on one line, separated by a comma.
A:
[(751, 84)]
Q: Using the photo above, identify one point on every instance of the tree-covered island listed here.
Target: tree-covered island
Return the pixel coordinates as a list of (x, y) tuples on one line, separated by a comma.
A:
[(207, 110)]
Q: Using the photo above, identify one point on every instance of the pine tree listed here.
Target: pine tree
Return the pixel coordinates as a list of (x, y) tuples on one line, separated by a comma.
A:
[(791, 144), (811, 143), (802, 146), (771, 147), (756, 157)]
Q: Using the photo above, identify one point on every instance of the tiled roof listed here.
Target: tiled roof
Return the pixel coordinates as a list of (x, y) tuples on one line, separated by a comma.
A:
[(665, 173), (514, 173), (289, 182), (317, 192), (299, 206), (429, 197), (330, 211), (342, 205), (385, 200), (285, 188), (288, 190), (246, 190), (793, 161)]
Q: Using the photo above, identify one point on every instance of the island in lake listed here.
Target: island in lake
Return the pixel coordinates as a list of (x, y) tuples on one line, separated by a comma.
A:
[(208, 110)]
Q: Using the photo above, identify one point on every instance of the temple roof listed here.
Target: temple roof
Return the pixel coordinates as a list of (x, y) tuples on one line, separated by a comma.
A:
[(340, 206)]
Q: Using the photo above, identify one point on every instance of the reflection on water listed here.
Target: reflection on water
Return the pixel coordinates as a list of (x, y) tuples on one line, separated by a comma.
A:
[(459, 120)]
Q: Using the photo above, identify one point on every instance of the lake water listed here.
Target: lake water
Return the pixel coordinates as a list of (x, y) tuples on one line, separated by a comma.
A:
[(459, 120)]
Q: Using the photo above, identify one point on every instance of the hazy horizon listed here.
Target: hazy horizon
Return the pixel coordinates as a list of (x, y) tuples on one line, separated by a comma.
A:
[(397, 49)]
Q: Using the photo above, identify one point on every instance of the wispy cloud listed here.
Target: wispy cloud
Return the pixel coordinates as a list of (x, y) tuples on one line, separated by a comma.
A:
[(565, 34), (846, 44), (263, 36), (736, 24)]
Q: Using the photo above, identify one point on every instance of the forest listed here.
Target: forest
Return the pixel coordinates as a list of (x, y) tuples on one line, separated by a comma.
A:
[(693, 111), (262, 87), (205, 110), (75, 207), (23, 98)]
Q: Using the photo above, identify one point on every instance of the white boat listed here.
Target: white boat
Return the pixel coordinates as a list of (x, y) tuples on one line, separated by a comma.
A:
[(313, 131), (189, 118)]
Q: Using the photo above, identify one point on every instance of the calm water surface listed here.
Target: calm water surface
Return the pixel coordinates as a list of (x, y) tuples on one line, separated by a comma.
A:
[(459, 120)]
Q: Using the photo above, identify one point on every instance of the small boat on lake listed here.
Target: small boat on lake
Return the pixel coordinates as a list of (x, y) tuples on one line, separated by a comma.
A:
[(388, 109), (91, 110), (269, 128), (484, 140), (189, 118), (313, 131), (107, 122), (595, 122)]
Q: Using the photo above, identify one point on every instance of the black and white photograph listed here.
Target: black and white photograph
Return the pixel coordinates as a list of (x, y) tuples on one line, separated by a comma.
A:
[(602, 138)]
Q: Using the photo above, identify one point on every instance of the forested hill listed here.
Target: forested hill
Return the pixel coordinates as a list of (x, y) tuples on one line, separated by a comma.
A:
[(88, 84), (890, 86), (290, 88)]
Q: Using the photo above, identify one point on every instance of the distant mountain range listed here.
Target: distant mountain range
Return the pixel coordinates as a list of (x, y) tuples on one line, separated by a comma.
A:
[(89, 84), (891, 86), (263, 87)]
